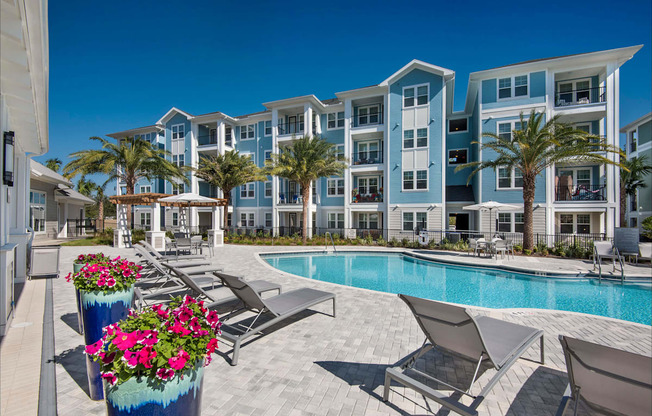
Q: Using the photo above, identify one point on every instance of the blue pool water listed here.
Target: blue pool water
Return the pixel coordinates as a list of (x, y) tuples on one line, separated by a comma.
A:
[(396, 273)]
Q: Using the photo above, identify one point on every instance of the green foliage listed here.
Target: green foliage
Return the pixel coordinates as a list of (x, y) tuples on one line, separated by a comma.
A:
[(92, 258), (105, 275), (53, 164), (527, 252), (647, 227)]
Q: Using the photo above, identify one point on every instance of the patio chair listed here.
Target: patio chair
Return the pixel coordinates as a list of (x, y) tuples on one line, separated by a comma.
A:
[(475, 247), (281, 199), (44, 261), (510, 247), (280, 307), (500, 246), (453, 329), (605, 250), (169, 245), (607, 380), (645, 252), (181, 262)]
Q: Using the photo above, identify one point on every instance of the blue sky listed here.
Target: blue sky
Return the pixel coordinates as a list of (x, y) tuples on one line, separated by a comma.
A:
[(119, 65)]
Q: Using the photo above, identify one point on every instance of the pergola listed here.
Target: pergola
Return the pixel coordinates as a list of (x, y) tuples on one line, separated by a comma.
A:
[(156, 237)]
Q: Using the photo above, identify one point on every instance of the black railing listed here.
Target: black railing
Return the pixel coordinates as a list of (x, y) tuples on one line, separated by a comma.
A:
[(290, 128), (369, 119), (284, 198), (370, 157), (207, 140), (580, 193), (78, 227), (367, 198), (192, 230), (228, 141), (581, 96)]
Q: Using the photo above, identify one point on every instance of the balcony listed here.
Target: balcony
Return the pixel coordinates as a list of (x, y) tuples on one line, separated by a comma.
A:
[(367, 117), (295, 128), (373, 157), (580, 193), (580, 97), (367, 198), (207, 140)]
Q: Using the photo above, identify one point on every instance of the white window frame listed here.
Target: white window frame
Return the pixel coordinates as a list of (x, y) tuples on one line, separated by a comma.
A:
[(575, 221), (414, 219), (328, 187), (179, 159), (416, 95), (271, 220), (339, 149), (575, 170), (336, 220), (39, 205), (414, 179), (266, 183), (510, 222), (512, 126), (175, 219), (415, 138), (512, 92), (368, 115), (248, 188), (145, 189), (367, 221), (457, 150), (249, 130), (147, 216), (459, 131), (265, 155), (573, 90), (512, 180), (180, 129), (228, 131), (250, 219), (176, 188), (367, 178), (268, 127), (336, 119)]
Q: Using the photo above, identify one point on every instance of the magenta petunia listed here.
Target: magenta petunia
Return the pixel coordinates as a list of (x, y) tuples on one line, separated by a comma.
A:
[(164, 374), (101, 281), (145, 357), (110, 377), (94, 348), (211, 346), (130, 358), (179, 361), (110, 282), (124, 340)]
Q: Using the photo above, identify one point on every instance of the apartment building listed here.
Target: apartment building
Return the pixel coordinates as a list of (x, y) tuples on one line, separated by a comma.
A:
[(638, 143), (404, 141)]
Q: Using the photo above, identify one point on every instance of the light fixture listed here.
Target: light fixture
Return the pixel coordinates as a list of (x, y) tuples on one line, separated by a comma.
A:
[(8, 162)]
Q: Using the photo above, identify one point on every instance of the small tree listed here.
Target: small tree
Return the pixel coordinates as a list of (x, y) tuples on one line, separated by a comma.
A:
[(227, 172), (632, 174), (533, 148), (305, 160), (94, 191)]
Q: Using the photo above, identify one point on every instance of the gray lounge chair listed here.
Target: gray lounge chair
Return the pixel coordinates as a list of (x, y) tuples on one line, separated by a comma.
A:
[(606, 379), (169, 258), (645, 252), (281, 307), (196, 262), (478, 339), (605, 250)]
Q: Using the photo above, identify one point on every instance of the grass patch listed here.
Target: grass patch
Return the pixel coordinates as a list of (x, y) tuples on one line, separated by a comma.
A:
[(89, 241)]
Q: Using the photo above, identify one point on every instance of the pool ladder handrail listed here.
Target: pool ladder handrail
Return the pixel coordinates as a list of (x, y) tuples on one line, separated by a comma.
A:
[(326, 237)]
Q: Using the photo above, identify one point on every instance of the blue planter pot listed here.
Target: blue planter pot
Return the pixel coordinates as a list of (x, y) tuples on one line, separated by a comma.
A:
[(80, 326), (144, 396), (98, 310)]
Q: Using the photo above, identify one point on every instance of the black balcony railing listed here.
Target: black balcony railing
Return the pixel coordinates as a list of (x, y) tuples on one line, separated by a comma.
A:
[(581, 97), (290, 128), (367, 198), (372, 157), (580, 193), (207, 140), (368, 119)]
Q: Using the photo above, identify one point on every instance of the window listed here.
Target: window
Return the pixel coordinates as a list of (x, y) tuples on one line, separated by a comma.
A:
[(247, 219), (368, 115), (422, 138), (268, 155), (583, 223), (566, 223), (145, 219), (510, 178), (414, 219), (179, 160), (458, 126), (513, 87), (150, 137), (339, 149), (228, 219), (228, 135), (505, 131), (268, 220), (178, 131), (175, 219), (457, 156), (518, 178), (504, 222), (335, 187), (368, 186), (367, 152), (408, 180), (335, 120), (268, 189), (574, 92), (145, 189), (268, 128), (518, 222), (421, 93), (633, 222), (335, 220), (408, 139), (248, 190), (247, 132), (368, 221), (422, 179), (178, 188), (37, 203), (633, 138)]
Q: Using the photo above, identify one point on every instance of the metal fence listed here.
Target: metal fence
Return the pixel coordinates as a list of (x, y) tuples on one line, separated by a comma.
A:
[(79, 227)]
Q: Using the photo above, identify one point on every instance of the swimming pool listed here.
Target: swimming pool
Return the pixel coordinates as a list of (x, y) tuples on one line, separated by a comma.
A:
[(398, 273)]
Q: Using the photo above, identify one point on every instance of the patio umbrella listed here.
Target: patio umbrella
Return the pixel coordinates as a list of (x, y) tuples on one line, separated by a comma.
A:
[(188, 199), (491, 206)]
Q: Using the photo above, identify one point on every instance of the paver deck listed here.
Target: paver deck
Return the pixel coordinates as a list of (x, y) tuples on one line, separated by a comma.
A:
[(319, 365)]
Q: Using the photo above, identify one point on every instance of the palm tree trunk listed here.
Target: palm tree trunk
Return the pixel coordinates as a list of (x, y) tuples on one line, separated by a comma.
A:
[(131, 184), (528, 200), (100, 211), (623, 206), (227, 196), (305, 193)]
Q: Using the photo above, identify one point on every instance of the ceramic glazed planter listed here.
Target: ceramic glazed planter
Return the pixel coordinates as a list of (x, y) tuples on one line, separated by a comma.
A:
[(98, 310), (80, 326), (145, 396)]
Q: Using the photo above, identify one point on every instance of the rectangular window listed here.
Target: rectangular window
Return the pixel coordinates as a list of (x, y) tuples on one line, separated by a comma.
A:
[(422, 95), (145, 189), (339, 149), (228, 135), (513, 87), (247, 132), (268, 128), (178, 131), (368, 115), (504, 222), (175, 219), (243, 219), (268, 155), (179, 160), (408, 97), (518, 222), (228, 219), (248, 190), (37, 210), (518, 178), (145, 219), (583, 223), (335, 187), (268, 189), (505, 131), (520, 86), (368, 186), (458, 126), (422, 220), (178, 188), (335, 220), (409, 94), (268, 220), (504, 178), (408, 179), (566, 223), (504, 88), (422, 137), (457, 156), (408, 139), (408, 221), (422, 179), (335, 120)]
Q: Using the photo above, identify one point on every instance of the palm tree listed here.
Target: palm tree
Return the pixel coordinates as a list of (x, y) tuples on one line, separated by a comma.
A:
[(305, 160), (632, 175), (129, 160), (227, 172), (53, 164), (536, 146), (94, 191)]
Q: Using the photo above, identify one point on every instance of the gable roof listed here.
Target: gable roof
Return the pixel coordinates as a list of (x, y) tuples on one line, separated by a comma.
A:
[(417, 64), (42, 173), (643, 119), (171, 114)]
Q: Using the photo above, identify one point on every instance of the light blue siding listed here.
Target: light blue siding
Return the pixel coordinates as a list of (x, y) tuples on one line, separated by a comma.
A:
[(538, 84), (178, 119), (489, 90)]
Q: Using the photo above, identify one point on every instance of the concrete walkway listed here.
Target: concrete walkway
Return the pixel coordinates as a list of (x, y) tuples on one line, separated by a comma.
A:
[(319, 365)]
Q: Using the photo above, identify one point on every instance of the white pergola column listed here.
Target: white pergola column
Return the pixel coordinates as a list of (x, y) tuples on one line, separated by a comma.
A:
[(155, 236), (215, 234)]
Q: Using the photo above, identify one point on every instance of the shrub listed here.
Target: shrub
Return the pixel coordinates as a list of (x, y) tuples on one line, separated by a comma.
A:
[(647, 227), (527, 252), (381, 241)]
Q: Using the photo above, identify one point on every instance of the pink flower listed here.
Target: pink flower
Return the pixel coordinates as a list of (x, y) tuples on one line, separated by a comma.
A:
[(185, 314), (164, 373), (212, 346), (111, 329), (107, 358), (126, 273), (178, 328), (145, 356), (110, 282), (147, 337), (68, 278), (124, 340), (213, 319), (179, 361), (187, 300), (131, 358), (101, 281), (94, 348), (138, 275), (110, 377)]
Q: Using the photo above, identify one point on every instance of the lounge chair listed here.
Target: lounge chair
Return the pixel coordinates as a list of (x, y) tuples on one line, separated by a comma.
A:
[(184, 261), (167, 258), (606, 379), (644, 251), (454, 330), (605, 250), (281, 307)]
